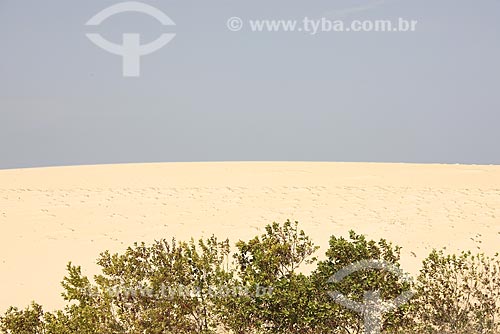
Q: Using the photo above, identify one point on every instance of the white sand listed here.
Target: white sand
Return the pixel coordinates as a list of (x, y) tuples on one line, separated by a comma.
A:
[(50, 216)]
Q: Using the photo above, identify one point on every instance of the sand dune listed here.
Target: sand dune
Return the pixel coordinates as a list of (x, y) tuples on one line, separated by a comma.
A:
[(50, 216)]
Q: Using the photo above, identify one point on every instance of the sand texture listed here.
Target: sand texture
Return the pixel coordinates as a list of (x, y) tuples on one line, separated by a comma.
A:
[(49, 216)]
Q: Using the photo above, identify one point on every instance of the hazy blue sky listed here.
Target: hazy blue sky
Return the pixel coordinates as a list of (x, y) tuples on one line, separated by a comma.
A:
[(211, 94)]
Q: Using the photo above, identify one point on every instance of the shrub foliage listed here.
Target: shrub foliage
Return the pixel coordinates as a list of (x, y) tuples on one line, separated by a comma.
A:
[(262, 287)]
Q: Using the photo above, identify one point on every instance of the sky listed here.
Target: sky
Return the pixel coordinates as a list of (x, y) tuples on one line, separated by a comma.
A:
[(211, 94)]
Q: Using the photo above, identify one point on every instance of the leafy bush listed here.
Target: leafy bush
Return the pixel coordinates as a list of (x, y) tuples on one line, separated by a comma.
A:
[(166, 287), (28, 321), (458, 294), (267, 267), (336, 318)]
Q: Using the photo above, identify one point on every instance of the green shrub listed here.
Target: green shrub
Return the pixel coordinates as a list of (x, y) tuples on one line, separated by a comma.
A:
[(167, 287), (269, 263), (28, 321), (335, 318), (458, 294)]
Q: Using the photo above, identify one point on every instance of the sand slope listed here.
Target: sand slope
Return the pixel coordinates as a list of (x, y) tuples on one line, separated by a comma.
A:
[(50, 216)]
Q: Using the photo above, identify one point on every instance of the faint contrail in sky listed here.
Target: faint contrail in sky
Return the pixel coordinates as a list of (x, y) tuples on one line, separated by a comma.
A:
[(361, 8)]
